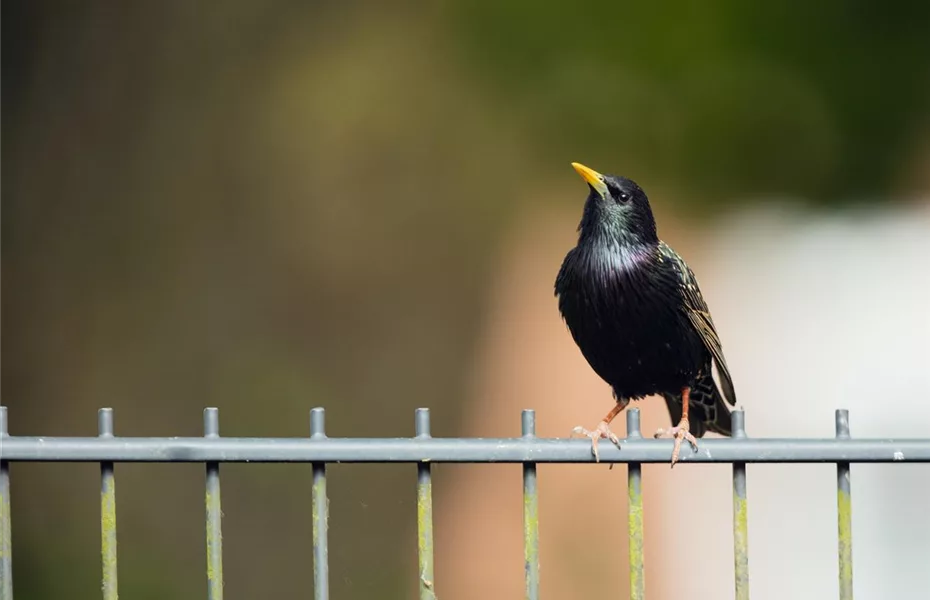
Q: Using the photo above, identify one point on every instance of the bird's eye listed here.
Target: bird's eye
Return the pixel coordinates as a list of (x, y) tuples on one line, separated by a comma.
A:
[(618, 194)]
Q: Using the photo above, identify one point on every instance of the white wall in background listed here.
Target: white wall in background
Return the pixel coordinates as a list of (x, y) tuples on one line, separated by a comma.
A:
[(817, 312)]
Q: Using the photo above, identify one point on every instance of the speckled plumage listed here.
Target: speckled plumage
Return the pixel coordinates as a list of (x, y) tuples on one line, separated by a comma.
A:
[(635, 310)]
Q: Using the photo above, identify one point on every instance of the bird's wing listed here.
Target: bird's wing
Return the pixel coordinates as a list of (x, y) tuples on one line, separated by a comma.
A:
[(699, 315)]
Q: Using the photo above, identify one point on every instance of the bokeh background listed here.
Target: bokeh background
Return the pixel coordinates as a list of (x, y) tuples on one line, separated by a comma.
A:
[(270, 206)]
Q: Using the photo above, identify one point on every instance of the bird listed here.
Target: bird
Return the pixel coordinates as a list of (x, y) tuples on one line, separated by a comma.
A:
[(634, 308)]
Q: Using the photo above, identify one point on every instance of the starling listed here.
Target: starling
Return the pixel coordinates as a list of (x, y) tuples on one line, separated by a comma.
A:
[(635, 310)]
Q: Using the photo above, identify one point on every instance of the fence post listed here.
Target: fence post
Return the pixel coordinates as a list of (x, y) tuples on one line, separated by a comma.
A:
[(844, 511), (107, 511), (424, 512), (211, 430), (635, 497), (740, 513), (320, 513), (530, 513), (6, 532)]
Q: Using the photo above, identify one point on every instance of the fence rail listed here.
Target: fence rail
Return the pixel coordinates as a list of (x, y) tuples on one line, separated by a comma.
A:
[(423, 450)]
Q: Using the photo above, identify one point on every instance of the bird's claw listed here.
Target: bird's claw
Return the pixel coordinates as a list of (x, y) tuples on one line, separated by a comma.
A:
[(680, 433), (601, 431)]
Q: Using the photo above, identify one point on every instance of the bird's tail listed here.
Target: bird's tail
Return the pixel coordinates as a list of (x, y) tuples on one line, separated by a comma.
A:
[(707, 410)]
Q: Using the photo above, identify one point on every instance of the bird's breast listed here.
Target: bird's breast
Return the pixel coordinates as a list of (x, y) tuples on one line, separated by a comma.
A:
[(623, 309)]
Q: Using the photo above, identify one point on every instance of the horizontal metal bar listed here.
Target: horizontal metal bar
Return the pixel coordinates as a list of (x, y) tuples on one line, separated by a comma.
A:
[(456, 450)]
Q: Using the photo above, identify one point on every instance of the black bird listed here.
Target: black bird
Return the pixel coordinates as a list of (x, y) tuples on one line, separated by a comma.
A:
[(635, 310)]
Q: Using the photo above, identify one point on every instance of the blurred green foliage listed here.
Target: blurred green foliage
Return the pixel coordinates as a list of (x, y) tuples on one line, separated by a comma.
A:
[(726, 98)]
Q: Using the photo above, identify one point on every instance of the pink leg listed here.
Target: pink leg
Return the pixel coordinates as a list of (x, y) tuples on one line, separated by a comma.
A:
[(603, 429), (680, 432)]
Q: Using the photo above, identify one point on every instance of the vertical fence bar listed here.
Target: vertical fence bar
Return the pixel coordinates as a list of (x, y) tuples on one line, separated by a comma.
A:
[(424, 513), (6, 534), (740, 514), (635, 492), (211, 429), (107, 511), (530, 513), (844, 511), (320, 513)]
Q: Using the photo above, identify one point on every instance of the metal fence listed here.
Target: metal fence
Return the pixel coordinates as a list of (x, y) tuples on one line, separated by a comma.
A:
[(423, 450)]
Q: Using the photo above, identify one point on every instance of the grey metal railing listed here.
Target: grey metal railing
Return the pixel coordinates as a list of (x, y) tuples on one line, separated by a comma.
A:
[(423, 450)]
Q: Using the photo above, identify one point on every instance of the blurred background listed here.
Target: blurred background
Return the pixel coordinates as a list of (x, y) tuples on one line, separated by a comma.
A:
[(271, 206)]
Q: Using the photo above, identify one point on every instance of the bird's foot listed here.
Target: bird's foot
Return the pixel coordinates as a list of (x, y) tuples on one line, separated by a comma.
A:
[(601, 431), (680, 433)]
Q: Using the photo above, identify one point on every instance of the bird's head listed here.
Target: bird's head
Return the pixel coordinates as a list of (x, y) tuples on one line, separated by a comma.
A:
[(616, 211)]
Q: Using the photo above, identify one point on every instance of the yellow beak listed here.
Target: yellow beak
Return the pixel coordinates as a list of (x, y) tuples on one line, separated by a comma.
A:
[(594, 179)]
